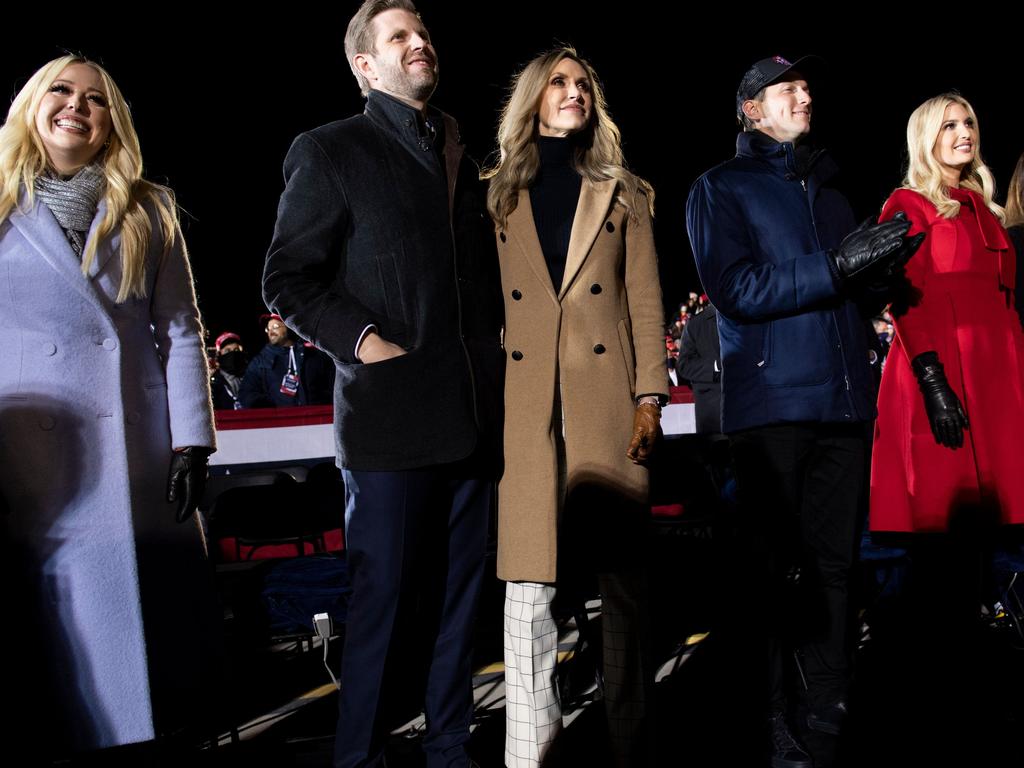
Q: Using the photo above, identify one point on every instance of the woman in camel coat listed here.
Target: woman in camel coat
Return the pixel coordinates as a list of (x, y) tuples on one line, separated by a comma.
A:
[(583, 387)]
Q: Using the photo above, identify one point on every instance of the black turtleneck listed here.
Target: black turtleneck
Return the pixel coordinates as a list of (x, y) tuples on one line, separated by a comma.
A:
[(554, 196)]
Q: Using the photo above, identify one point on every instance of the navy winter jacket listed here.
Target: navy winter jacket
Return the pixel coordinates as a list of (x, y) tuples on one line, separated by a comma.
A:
[(261, 385), (793, 348)]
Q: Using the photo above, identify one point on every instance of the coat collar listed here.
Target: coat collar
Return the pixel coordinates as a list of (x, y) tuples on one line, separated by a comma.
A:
[(803, 163), (992, 233), (595, 202), (408, 123), (39, 227), (596, 199), (523, 229)]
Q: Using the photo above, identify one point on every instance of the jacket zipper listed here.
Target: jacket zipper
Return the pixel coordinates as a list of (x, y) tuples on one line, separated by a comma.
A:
[(832, 313)]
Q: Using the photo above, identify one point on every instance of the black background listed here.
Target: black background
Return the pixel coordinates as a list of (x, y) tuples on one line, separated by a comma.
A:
[(218, 97)]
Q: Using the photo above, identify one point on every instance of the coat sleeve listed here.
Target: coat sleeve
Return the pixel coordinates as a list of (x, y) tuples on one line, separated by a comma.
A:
[(304, 274), (740, 287), (643, 294), (178, 333), (911, 311)]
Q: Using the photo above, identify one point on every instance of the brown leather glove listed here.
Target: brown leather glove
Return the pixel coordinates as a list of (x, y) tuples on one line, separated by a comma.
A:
[(646, 431)]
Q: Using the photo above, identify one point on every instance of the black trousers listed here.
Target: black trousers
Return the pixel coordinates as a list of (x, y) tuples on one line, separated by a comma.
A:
[(416, 542), (792, 541)]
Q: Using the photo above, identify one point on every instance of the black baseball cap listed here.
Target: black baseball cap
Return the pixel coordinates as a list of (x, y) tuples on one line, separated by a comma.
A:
[(770, 71)]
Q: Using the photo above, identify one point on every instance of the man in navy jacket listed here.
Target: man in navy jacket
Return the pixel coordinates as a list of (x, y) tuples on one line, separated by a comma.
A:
[(779, 257), (285, 374), (384, 257)]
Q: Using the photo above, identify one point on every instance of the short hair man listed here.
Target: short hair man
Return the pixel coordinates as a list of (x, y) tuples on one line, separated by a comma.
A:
[(776, 251), (284, 374), (383, 256)]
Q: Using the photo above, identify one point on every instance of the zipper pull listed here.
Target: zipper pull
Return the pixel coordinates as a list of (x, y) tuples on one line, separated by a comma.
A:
[(803, 183)]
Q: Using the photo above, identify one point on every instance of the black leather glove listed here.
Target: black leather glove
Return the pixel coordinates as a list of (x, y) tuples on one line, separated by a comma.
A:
[(187, 479), (940, 402), (910, 246), (870, 246)]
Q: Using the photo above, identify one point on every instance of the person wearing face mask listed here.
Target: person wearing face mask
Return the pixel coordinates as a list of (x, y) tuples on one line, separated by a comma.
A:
[(779, 256), (227, 377), (583, 393), (105, 427)]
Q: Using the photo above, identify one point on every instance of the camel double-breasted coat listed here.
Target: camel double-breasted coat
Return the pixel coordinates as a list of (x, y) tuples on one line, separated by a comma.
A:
[(594, 344), (105, 585)]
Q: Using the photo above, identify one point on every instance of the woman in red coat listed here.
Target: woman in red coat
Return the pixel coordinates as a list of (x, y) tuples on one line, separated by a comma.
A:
[(951, 409)]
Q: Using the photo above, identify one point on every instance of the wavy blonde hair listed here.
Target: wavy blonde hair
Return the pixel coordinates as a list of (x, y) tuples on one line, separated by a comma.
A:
[(1015, 196), (23, 158), (924, 173), (598, 151)]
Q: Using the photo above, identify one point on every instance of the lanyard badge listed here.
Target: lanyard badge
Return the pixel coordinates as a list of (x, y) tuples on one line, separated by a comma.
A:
[(290, 382)]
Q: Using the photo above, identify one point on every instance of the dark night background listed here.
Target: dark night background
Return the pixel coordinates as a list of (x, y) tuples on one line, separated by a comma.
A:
[(217, 103)]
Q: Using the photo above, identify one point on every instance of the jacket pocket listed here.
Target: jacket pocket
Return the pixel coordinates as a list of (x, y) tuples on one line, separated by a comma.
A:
[(393, 298), (798, 353)]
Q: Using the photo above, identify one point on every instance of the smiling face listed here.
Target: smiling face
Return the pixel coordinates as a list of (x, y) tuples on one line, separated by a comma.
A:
[(277, 334), (785, 111), (403, 62), (957, 143), (565, 106), (73, 119)]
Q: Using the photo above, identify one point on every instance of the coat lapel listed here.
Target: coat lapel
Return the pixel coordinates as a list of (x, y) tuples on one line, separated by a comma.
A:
[(41, 230), (105, 249), (524, 230), (595, 202)]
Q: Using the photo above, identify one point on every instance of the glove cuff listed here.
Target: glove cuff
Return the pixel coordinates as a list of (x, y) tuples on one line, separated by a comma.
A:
[(926, 366)]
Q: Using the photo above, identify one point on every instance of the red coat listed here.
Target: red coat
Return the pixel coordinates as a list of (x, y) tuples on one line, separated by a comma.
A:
[(964, 273)]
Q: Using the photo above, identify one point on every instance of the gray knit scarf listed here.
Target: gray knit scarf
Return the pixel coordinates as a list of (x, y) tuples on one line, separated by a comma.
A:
[(73, 202)]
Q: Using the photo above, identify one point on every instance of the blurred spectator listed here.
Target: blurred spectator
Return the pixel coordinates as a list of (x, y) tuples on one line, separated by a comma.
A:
[(285, 373), (229, 368), (671, 355), (700, 363)]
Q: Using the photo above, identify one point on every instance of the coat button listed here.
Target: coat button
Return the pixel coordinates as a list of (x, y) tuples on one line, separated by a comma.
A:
[(609, 226), (109, 344), (517, 355), (501, 236), (599, 349), (595, 289), (49, 349), (46, 423), (133, 417), (516, 294)]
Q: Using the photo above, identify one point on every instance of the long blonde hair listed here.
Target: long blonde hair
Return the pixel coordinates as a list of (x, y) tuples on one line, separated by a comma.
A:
[(1015, 196), (599, 148), (23, 158), (924, 173)]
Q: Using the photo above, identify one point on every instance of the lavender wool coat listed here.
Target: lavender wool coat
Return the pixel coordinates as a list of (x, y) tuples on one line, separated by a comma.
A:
[(93, 395)]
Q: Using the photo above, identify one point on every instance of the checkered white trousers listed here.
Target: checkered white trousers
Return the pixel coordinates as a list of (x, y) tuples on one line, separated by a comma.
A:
[(533, 714)]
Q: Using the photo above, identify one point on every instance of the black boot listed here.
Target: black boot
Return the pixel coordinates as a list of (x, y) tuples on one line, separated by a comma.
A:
[(787, 752)]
